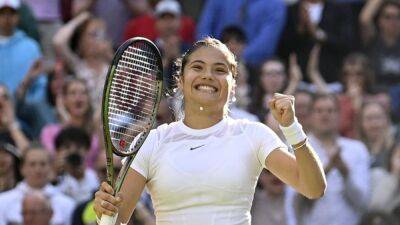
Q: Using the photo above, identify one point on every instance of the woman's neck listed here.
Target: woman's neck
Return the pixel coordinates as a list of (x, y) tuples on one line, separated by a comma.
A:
[(201, 117), (94, 62)]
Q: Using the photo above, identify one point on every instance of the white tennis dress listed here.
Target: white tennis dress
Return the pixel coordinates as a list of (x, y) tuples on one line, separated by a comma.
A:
[(206, 176)]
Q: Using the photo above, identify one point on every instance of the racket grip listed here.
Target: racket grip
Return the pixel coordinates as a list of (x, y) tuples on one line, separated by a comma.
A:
[(108, 220)]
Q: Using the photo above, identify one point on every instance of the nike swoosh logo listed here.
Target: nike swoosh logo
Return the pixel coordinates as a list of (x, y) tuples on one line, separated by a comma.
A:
[(193, 148)]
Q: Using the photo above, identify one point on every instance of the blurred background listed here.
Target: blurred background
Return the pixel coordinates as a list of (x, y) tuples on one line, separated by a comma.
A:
[(339, 58)]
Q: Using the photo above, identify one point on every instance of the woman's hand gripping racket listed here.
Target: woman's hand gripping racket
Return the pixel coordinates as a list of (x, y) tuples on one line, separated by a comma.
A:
[(131, 96)]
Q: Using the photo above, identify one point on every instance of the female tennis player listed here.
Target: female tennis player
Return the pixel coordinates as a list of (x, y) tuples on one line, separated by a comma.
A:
[(203, 169)]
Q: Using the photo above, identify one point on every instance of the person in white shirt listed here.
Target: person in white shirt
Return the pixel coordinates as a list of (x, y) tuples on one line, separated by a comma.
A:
[(203, 169), (346, 162), (77, 180), (35, 170)]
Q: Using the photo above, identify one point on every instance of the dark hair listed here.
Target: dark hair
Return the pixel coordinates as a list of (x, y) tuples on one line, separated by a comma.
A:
[(385, 4), (367, 71), (233, 32), (77, 35), (51, 97), (361, 132), (377, 218), (181, 62), (35, 146), (16, 155), (393, 150), (67, 83), (72, 135)]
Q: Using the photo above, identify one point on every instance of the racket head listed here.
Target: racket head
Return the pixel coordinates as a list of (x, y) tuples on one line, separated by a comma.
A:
[(131, 95)]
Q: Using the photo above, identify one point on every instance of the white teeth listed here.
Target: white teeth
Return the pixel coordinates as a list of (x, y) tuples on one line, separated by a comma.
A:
[(206, 88)]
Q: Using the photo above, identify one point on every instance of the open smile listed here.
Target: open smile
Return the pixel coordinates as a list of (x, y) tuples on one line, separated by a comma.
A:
[(206, 88)]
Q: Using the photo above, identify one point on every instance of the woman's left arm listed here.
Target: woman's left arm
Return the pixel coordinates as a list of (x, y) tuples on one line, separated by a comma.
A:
[(303, 171)]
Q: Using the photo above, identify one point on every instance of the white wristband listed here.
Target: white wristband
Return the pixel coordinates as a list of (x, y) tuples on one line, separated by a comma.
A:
[(294, 133)]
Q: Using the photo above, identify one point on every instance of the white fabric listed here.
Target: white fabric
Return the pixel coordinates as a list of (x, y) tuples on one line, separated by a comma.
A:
[(11, 205), (238, 113), (344, 200), (315, 12), (294, 133), (79, 190), (214, 182)]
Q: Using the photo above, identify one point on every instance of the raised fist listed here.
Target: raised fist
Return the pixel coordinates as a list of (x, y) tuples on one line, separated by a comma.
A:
[(282, 108)]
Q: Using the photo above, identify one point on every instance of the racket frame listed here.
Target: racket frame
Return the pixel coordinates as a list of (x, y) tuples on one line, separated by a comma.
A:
[(110, 149)]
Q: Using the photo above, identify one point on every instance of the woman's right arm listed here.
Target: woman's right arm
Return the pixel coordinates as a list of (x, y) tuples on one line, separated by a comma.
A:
[(124, 202), (313, 71), (63, 36), (366, 20)]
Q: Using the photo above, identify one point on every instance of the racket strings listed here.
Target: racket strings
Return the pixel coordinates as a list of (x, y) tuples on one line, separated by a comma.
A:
[(133, 95)]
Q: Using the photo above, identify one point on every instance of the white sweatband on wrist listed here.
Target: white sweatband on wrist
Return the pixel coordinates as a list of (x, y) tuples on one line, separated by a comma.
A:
[(294, 133)]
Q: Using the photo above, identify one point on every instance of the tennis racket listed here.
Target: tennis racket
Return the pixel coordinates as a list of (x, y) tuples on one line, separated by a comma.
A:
[(131, 96)]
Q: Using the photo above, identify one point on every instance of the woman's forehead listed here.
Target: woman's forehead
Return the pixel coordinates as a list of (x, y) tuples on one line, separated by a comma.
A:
[(209, 55)]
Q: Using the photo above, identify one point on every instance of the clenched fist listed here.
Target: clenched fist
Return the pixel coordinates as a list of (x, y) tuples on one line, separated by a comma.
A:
[(282, 108)]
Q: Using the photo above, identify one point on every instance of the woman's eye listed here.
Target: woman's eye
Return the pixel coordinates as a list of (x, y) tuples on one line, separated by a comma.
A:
[(196, 67), (221, 70)]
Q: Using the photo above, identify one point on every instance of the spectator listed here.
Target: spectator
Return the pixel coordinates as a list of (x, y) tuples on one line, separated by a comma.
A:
[(274, 78), (377, 218), (385, 183), (38, 114), (36, 209), (114, 13), (89, 54), (312, 21), (303, 105), (35, 170), (17, 52), (269, 201), (356, 86), (9, 166), (382, 41), (166, 18), (377, 132), (10, 129), (235, 39), (84, 213), (48, 16), (74, 109), (75, 179), (261, 20), (27, 22), (346, 164)]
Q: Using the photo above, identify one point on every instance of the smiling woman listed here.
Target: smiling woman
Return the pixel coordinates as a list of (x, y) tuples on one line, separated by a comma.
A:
[(203, 169)]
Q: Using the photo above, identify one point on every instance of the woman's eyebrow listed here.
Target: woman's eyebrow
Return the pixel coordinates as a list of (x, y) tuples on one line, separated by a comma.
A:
[(197, 61), (220, 64)]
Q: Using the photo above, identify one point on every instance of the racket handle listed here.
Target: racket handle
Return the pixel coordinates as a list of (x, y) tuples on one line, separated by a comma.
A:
[(108, 220)]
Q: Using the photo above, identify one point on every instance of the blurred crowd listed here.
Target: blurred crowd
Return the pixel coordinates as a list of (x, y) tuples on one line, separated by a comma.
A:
[(339, 58)]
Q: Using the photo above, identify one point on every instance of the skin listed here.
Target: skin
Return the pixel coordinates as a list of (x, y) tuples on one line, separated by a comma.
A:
[(36, 209), (374, 121), (272, 185), (209, 66), (36, 168), (389, 23), (273, 76), (76, 99), (8, 21)]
